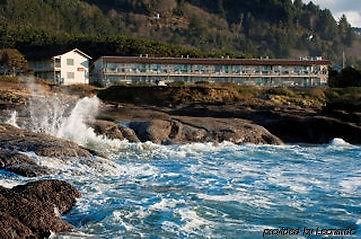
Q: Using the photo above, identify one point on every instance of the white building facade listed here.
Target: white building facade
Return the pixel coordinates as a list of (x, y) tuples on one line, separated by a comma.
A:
[(69, 68), (110, 70)]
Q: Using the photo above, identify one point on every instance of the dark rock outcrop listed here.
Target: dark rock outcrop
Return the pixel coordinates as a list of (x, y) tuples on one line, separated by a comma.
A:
[(129, 134), (107, 128), (13, 138), (291, 125), (314, 130), (193, 129), (113, 131), (33, 210), (11, 228), (21, 164), (156, 131)]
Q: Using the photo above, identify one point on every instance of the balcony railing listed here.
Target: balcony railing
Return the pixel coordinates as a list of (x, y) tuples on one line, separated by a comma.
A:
[(215, 74)]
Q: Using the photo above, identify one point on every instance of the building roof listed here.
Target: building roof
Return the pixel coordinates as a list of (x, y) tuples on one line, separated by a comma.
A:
[(211, 61), (47, 54), (78, 51)]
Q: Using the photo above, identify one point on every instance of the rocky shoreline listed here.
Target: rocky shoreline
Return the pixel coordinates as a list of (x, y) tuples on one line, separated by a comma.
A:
[(176, 117), (211, 114), (34, 210), (234, 123)]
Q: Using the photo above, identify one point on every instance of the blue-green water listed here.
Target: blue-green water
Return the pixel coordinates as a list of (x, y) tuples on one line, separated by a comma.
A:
[(208, 191)]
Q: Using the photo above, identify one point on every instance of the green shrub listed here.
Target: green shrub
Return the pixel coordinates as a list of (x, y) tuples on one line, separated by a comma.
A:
[(282, 91)]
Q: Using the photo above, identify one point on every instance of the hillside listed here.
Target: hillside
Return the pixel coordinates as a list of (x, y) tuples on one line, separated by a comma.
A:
[(274, 28)]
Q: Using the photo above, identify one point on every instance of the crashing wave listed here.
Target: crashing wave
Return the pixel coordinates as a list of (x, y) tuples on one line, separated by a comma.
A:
[(339, 142)]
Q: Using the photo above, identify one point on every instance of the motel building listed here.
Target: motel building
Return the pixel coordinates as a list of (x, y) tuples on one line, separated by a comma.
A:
[(304, 72), (68, 68)]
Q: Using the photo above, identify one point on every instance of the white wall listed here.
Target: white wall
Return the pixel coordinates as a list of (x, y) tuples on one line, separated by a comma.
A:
[(80, 68)]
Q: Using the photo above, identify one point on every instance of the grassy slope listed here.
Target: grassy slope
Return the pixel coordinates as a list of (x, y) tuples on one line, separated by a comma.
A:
[(216, 94)]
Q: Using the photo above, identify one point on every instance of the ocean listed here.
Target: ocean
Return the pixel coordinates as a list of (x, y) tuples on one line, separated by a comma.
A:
[(144, 190), (213, 191)]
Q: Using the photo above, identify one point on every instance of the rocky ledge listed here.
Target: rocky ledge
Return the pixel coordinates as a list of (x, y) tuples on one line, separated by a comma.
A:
[(20, 164), (236, 123), (181, 130), (34, 210), (290, 124), (13, 138)]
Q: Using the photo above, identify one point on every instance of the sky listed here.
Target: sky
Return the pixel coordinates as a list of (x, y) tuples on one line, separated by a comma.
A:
[(351, 8)]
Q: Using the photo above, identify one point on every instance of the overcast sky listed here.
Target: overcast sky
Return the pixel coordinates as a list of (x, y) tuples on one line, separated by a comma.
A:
[(351, 8)]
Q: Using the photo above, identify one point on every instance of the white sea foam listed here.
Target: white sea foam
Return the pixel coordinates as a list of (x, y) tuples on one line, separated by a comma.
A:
[(171, 227), (90, 167), (66, 117), (72, 235), (13, 118), (166, 204), (242, 196), (9, 183), (340, 142), (351, 185), (193, 223)]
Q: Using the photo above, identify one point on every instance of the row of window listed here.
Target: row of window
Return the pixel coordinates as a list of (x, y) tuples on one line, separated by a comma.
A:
[(213, 69), (256, 81), (69, 62), (283, 72), (187, 67)]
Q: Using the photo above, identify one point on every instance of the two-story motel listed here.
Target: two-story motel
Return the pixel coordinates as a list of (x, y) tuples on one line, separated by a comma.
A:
[(110, 70)]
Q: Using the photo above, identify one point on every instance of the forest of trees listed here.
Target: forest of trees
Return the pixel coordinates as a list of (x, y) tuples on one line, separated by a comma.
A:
[(250, 28)]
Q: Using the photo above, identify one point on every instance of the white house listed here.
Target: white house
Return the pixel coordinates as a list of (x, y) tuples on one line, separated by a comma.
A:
[(65, 69)]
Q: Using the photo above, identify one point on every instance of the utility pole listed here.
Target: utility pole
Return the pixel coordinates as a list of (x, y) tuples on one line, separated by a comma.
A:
[(343, 60)]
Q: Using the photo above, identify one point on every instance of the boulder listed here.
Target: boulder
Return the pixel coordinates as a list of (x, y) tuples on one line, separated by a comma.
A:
[(314, 130), (129, 134), (34, 209), (10, 158), (16, 139), (28, 170), (21, 164), (12, 228), (291, 125), (58, 193), (106, 128), (202, 129), (113, 131), (156, 131)]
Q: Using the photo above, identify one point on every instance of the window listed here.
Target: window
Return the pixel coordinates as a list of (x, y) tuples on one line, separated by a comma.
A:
[(57, 62), (70, 62), (70, 75)]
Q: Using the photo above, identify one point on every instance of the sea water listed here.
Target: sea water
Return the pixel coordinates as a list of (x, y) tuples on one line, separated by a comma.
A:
[(144, 190), (212, 191)]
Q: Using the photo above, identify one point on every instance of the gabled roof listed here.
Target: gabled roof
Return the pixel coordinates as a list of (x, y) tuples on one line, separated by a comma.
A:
[(77, 51), (42, 53)]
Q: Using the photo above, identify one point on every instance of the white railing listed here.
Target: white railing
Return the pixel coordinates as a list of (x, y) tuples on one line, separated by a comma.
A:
[(213, 75)]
